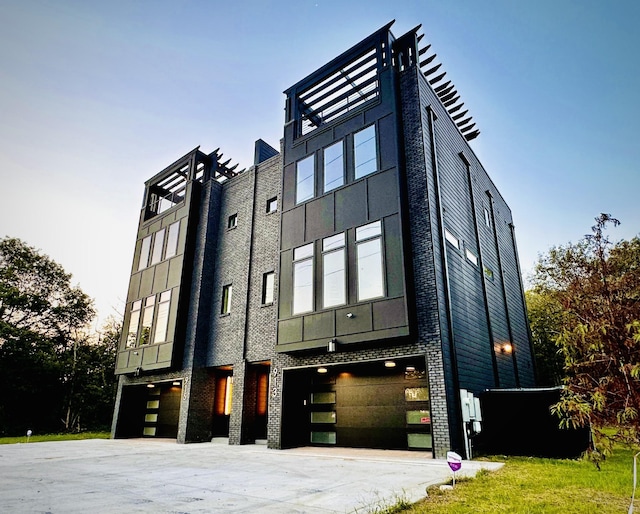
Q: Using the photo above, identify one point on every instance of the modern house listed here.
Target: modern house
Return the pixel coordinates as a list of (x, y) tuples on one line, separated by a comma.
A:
[(355, 288)]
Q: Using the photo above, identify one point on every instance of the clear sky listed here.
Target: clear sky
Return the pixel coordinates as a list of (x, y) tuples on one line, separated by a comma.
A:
[(96, 97)]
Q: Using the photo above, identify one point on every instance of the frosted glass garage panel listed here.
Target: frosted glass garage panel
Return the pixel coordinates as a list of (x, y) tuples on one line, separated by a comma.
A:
[(325, 397), (323, 417), (419, 441), (323, 437)]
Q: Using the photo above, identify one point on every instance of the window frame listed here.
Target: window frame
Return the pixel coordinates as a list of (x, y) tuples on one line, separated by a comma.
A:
[(270, 203), (326, 189), (307, 256), (359, 162), (330, 249), (226, 299), (309, 160), (266, 299), (360, 242), (232, 221)]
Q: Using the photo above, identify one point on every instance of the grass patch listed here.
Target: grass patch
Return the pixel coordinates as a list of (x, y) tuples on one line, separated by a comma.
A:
[(55, 437), (533, 485)]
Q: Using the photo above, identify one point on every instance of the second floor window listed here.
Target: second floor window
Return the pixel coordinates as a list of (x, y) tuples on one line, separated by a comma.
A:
[(369, 259), (227, 292), (303, 279), (268, 286), (333, 271)]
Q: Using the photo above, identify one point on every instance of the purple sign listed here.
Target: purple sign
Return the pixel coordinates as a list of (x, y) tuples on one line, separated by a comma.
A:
[(454, 460)]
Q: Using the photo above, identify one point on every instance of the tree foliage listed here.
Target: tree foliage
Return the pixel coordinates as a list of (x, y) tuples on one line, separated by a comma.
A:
[(597, 284), (53, 372)]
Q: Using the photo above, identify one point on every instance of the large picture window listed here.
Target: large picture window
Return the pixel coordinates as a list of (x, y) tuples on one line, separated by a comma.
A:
[(305, 178), (303, 279), (333, 166), (149, 320), (333, 271), (365, 152), (369, 259)]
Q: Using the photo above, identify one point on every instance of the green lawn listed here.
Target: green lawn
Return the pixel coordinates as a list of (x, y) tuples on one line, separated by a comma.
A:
[(55, 437), (532, 485)]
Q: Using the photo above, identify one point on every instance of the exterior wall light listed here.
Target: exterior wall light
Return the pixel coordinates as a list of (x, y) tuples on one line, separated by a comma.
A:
[(322, 370), (150, 386), (349, 315), (506, 348), (331, 346), (410, 368), (389, 364), (176, 383)]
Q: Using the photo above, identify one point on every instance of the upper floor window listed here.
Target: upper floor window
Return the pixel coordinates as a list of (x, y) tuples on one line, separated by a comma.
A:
[(333, 166), (158, 244), (172, 240), (272, 204), (487, 217), (365, 152), (268, 287), (145, 250), (227, 292), (305, 179), (149, 320), (303, 279), (333, 271), (232, 221), (369, 261), (452, 239), (471, 257)]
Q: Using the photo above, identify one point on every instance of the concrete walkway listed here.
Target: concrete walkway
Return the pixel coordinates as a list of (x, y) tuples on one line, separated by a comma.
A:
[(160, 476)]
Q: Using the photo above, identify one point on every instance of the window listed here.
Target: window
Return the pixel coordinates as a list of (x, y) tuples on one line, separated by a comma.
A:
[(365, 151), (471, 257), (303, 279), (226, 299), (369, 261), (333, 166), (232, 222), (333, 271), (451, 238), (147, 319), (145, 249), (305, 178), (487, 217), (268, 285), (158, 243), (162, 320), (488, 272), (172, 240), (134, 321), (272, 204)]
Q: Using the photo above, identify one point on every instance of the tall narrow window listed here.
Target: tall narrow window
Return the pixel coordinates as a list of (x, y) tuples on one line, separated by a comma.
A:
[(227, 291), (232, 222), (369, 257), (268, 283), (303, 279), (158, 243), (365, 151), (487, 217), (134, 321), (272, 204), (147, 319), (333, 166), (305, 178), (172, 240), (162, 319), (452, 239), (333, 271), (145, 249)]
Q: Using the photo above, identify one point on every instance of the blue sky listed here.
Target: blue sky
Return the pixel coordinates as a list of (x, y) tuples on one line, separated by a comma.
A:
[(96, 97)]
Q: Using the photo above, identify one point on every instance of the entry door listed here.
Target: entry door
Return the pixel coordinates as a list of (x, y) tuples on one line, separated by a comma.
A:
[(222, 405)]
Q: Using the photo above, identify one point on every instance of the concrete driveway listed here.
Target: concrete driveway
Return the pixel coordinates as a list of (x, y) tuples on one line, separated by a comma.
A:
[(160, 476)]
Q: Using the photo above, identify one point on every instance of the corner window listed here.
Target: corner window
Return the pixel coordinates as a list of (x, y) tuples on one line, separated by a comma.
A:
[(333, 166), (303, 279), (452, 239), (226, 299), (162, 319), (232, 222), (172, 240), (333, 271), (268, 286), (272, 204), (369, 261), (365, 152), (305, 178)]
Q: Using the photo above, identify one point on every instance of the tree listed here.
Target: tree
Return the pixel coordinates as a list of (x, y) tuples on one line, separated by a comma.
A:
[(40, 311), (546, 317), (597, 283)]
